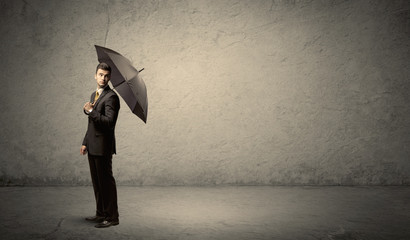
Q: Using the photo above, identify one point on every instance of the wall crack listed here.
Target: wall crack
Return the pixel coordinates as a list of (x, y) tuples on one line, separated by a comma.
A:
[(108, 23)]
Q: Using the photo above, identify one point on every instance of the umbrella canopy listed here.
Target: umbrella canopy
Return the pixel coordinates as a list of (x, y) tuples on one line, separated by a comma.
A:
[(126, 81)]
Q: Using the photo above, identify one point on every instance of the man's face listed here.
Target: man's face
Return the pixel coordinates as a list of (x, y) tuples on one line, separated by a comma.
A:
[(102, 77)]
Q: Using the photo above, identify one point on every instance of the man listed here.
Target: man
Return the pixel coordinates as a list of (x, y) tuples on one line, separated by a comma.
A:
[(99, 142)]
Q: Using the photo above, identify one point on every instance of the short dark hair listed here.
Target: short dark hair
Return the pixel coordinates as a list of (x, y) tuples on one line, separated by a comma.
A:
[(103, 66)]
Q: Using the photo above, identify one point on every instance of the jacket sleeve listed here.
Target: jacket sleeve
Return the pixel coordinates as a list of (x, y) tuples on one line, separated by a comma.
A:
[(85, 139), (109, 118), (86, 113)]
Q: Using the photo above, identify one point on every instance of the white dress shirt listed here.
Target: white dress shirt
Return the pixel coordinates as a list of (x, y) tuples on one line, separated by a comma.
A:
[(99, 90)]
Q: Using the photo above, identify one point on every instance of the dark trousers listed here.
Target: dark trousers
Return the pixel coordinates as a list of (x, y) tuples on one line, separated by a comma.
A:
[(104, 186)]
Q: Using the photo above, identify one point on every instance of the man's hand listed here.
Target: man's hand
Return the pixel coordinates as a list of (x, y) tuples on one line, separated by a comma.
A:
[(88, 106), (83, 150)]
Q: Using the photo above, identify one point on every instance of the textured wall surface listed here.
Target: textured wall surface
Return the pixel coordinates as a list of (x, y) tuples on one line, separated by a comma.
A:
[(240, 91)]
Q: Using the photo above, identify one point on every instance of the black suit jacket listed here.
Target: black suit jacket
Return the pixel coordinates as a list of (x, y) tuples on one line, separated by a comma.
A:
[(100, 137)]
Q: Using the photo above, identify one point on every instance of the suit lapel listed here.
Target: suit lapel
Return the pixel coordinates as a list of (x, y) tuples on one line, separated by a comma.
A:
[(106, 90), (92, 97)]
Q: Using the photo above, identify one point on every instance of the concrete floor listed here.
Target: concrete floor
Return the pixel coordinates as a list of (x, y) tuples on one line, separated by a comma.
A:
[(210, 213)]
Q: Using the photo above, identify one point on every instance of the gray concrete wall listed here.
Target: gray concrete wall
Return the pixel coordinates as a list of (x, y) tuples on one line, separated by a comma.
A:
[(240, 92)]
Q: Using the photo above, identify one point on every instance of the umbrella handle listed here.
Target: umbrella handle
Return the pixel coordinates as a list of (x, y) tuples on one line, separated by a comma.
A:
[(141, 70)]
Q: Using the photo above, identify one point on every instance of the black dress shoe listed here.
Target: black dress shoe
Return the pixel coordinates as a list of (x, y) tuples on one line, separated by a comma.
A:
[(107, 223), (96, 219)]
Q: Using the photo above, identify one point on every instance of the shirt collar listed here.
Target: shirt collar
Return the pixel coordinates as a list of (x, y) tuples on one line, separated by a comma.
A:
[(100, 90)]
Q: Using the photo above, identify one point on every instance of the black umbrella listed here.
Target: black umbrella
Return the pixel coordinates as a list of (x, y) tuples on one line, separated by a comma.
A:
[(126, 81)]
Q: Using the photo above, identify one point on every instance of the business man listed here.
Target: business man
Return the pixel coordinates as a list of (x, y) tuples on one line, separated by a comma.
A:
[(99, 142)]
